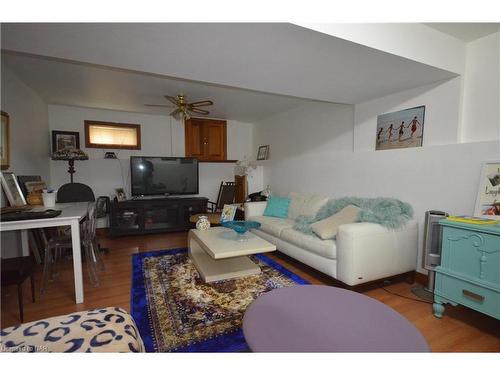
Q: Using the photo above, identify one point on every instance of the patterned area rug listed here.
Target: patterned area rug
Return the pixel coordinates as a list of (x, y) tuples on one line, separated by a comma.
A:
[(177, 312)]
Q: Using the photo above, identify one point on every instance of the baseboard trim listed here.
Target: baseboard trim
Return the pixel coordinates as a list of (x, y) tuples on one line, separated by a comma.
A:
[(421, 278)]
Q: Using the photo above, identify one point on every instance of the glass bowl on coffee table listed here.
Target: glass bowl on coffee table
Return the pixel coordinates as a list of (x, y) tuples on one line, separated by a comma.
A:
[(241, 227)]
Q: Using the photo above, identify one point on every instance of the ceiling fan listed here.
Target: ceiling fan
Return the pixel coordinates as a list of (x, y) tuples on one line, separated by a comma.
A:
[(183, 108)]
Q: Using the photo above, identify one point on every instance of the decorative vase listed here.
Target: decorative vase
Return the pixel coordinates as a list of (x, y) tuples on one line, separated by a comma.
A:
[(202, 223)]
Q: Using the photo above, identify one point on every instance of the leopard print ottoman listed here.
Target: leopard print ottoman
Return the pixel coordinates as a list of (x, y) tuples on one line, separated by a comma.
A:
[(110, 329)]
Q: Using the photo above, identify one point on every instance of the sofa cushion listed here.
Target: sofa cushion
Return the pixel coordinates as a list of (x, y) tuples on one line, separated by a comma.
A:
[(277, 207), (273, 225), (326, 229), (325, 248), (305, 204)]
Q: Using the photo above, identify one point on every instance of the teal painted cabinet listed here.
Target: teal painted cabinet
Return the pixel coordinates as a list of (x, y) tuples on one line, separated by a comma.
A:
[(469, 273)]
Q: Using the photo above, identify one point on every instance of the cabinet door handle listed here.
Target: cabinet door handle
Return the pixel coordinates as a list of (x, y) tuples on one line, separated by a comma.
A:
[(473, 296)]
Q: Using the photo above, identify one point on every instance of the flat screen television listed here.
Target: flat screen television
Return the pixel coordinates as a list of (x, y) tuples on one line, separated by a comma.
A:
[(153, 175)]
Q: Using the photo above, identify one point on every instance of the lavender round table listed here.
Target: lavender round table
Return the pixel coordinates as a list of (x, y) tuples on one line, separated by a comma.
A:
[(314, 318)]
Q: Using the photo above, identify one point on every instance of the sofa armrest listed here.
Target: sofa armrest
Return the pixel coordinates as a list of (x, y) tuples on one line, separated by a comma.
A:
[(367, 251), (254, 209)]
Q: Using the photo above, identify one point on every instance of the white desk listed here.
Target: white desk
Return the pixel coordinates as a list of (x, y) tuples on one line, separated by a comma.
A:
[(72, 214)]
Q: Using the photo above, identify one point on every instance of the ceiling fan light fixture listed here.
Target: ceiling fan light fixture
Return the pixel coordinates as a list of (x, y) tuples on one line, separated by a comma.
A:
[(183, 109)]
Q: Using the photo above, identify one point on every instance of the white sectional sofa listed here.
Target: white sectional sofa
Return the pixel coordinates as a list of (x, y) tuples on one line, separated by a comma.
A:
[(361, 252)]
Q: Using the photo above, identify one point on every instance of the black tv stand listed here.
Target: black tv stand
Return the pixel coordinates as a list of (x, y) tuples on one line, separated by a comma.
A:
[(154, 214)]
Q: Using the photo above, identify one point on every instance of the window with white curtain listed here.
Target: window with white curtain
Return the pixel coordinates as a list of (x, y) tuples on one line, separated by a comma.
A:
[(100, 134)]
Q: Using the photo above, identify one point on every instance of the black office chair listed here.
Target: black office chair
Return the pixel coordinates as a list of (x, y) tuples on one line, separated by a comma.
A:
[(75, 192)]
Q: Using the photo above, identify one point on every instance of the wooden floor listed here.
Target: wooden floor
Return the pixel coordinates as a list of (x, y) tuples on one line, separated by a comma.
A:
[(460, 330)]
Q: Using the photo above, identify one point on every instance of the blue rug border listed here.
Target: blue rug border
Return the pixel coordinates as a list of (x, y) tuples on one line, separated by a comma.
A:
[(232, 342)]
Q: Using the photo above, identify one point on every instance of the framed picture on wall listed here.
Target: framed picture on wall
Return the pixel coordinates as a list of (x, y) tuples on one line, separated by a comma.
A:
[(4, 140), (488, 191), (62, 140), (263, 152), (12, 189), (401, 129)]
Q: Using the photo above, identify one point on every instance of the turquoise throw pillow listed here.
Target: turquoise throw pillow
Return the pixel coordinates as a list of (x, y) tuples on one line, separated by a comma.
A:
[(277, 207)]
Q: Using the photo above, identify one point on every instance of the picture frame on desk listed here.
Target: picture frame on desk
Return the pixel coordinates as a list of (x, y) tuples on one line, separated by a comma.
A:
[(12, 189), (488, 191), (23, 180)]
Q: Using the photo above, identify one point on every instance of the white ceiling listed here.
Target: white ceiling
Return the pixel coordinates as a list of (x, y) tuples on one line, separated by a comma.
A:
[(83, 85), (277, 58), (466, 32)]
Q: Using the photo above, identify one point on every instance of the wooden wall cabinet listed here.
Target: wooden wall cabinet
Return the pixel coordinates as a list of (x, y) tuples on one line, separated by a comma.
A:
[(206, 139)]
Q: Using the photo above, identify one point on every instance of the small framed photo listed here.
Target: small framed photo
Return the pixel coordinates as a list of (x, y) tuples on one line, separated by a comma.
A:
[(62, 140), (4, 140), (488, 191), (24, 179), (228, 212), (120, 195), (263, 153), (12, 189), (35, 186)]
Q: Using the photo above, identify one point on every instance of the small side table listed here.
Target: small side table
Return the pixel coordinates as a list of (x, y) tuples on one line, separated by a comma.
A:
[(16, 271)]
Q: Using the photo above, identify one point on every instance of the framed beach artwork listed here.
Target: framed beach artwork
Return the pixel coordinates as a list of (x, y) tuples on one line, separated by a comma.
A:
[(401, 129), (488, 192), (62, 140), (4, 140)]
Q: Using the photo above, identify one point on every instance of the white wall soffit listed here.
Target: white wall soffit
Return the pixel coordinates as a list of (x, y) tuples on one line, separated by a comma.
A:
[(413, 41), (282, 59)]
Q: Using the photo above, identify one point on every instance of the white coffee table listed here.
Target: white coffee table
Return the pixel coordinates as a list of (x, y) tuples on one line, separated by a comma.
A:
[(217, 255)]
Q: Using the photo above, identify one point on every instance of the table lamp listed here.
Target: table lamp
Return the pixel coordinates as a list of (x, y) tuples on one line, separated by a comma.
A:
[(70, 155)]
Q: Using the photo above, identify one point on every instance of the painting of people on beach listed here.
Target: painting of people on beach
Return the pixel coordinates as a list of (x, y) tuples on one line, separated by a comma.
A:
[(400, 129)]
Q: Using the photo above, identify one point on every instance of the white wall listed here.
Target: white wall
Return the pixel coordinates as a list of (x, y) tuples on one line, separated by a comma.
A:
[(29, 140), (481, 110), (312, 127), (104, 175), (29, 134), (414, 41)]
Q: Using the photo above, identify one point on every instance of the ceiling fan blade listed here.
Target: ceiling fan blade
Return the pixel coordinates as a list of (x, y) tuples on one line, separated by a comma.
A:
[(171, 99), (158, 105), (201, 103), (175, 112), (200, 111)]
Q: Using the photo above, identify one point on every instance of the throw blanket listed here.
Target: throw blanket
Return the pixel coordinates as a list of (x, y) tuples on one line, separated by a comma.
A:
[(388, 212)]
